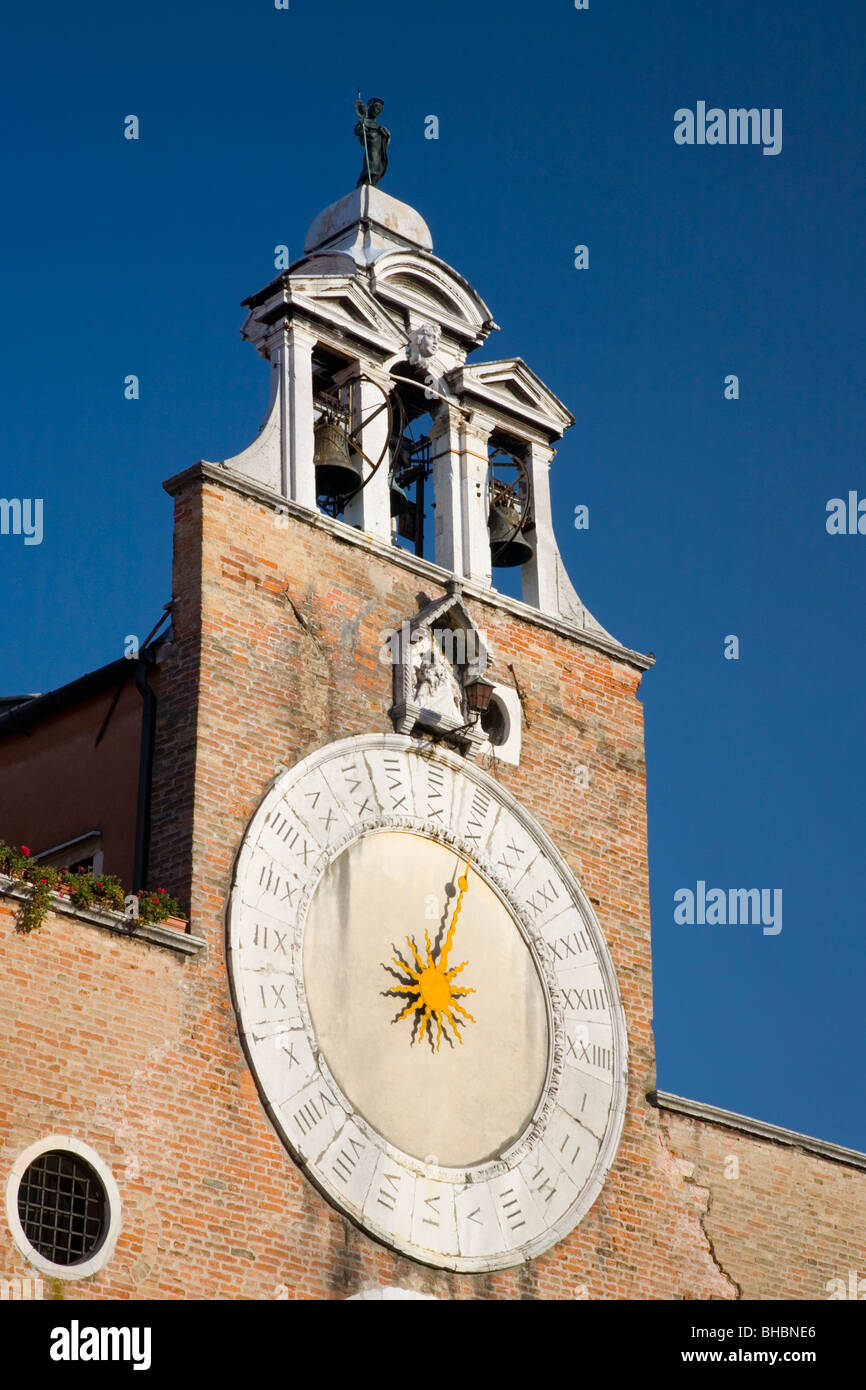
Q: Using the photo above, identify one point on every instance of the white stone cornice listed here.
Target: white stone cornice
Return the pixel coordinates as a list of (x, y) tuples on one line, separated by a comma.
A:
[(154, 933), (729, 1119), (512, 388)]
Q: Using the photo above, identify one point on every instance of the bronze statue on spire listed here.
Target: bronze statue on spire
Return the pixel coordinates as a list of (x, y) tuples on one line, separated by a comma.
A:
[(374, 138)]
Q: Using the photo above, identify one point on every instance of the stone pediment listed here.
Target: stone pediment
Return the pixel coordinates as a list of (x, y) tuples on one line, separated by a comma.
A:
[(425, 288), (341, 303), (434, 654), (514, 387), (347, 303)]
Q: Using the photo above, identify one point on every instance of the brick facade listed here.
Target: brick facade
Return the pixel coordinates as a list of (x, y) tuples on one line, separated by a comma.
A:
[(278, 626)]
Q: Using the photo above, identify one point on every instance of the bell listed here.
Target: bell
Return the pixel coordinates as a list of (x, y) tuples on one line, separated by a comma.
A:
[(400, 503), (507, 546), (407, 523), (336, 474)]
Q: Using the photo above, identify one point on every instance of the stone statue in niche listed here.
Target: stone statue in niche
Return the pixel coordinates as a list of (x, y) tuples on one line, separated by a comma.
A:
[(434, 682)]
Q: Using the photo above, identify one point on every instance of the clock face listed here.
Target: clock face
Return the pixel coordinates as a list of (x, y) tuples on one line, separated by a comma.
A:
[(427, 1003)]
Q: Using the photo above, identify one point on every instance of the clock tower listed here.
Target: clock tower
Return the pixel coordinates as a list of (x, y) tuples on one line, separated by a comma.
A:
[(403, 1047), (415, 806)]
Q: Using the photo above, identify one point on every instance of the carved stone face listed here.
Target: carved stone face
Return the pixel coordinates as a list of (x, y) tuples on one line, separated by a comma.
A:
[(424, 342)]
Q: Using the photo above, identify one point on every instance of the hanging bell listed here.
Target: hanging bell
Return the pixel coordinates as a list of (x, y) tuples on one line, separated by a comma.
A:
[(336, 474), (407, 523), (400, 503), (507, 545)]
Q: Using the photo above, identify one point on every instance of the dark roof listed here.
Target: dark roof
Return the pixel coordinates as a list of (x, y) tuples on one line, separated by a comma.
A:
[(22, 711), (8, 702)]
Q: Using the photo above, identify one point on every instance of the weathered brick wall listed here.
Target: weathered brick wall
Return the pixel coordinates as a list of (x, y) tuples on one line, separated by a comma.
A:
[(173, 786), (275, 654), (784, 1222)]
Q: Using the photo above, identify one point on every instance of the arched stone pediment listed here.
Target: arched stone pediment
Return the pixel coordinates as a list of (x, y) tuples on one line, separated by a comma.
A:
[(425, 287)]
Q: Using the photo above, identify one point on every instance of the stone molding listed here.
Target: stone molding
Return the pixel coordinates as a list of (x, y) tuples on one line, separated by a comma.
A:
[(729, 1119), (154, 933)]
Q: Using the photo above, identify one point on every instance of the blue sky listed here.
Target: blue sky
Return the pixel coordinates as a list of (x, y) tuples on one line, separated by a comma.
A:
[(707, 516)]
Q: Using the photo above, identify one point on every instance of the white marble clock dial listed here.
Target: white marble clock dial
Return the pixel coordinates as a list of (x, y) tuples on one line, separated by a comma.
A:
[(427, 1003)]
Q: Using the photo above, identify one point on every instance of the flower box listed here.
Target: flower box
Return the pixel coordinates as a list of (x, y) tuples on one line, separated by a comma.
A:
[(177, 923)]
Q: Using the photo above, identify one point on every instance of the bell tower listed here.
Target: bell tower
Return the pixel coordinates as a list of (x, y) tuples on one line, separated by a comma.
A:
[(406, 808), (369, 333), (404, 1046)]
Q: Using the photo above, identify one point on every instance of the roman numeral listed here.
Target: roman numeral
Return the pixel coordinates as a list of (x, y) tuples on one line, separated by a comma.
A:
[(271, 940), (434, 791), (511, 848), (312, 1114), (329, 818), (306, 850), (601, 1057), (272, 882), (545, 897), (387, 1197), (565, 1142), (277, 991), (290, 1053), (511, 1207), (572, 945), (283, 828), (543, 1186), (354, 785), (280, 824), (347, 1160), (477, 814), (430, 1204), (393, 771), (592, 1000)]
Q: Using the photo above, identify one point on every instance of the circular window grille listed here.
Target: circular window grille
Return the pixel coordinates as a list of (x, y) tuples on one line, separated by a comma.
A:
[(62, 1206)]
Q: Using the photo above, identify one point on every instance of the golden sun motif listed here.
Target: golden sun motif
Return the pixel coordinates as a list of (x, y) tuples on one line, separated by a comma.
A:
[(432, 989)]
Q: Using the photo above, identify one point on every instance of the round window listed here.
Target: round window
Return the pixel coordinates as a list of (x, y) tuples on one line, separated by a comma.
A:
[(495, 721), (62, 1207)]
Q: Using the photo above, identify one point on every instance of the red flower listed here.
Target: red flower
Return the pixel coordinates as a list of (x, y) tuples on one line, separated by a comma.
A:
[(154, 900), (25, 851), (43, 880)]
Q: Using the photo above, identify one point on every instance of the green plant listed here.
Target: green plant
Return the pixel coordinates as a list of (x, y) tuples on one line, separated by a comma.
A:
[(155, 907), (83, 887)]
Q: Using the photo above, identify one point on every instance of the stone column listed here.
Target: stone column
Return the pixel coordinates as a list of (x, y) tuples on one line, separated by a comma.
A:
[(294, 359), (474, 473), (539, 573), (459, 448), (370, 509), (445, 454)]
